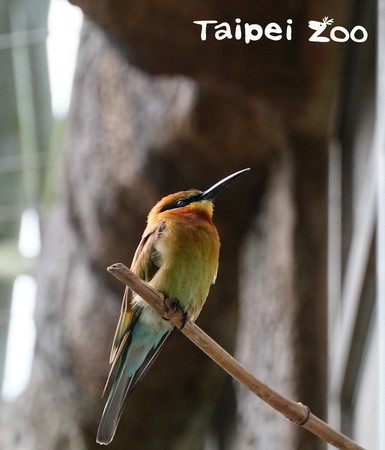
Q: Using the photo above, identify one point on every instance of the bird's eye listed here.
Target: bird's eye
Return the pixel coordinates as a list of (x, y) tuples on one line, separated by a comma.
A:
[(181, 202)]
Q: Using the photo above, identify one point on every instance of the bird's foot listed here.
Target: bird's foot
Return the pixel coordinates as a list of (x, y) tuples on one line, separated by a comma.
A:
[(174, 310)]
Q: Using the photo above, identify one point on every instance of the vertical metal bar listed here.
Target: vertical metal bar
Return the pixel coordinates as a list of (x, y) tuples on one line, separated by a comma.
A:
[(334, 276), (380, 150)]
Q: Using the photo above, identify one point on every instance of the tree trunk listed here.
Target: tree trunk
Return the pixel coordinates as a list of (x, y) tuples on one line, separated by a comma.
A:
[(268, 312)]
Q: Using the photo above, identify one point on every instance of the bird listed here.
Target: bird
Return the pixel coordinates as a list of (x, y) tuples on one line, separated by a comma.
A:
[(178, 256)]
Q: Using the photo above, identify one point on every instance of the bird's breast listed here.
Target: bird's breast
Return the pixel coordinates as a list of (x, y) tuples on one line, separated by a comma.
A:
[(189, 251)]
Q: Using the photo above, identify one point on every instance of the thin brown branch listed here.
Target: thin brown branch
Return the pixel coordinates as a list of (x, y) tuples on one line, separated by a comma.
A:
[(294, 411)]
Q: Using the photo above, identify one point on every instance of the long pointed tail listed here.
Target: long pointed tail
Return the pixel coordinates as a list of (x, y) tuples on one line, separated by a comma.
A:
[(113, 408), (132, 366)]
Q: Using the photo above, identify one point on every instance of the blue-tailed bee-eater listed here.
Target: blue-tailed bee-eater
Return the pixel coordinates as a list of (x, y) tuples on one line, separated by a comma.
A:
[(178, 256)]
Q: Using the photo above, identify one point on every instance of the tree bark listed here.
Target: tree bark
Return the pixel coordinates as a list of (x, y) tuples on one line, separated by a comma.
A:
[(268, 312)]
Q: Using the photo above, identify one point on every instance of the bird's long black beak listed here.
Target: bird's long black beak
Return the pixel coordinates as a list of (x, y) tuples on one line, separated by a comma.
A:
[(211, 193)]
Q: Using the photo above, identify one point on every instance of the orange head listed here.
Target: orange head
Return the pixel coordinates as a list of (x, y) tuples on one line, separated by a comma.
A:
[(193, 201)]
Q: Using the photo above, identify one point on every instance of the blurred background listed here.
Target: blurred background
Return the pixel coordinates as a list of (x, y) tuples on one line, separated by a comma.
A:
[(38, 56), (155, 110)]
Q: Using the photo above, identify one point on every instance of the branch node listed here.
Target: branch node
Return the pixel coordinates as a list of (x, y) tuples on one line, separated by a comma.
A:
[(306, 415)]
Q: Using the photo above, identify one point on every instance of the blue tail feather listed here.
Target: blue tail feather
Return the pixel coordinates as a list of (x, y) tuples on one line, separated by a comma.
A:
[(135, 359)]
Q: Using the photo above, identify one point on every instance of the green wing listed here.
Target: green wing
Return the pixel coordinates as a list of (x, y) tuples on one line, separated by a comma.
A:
[(145, 264), (147, 259)]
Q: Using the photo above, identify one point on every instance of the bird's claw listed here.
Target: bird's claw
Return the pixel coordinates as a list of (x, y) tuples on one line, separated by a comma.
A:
[(172, 308)]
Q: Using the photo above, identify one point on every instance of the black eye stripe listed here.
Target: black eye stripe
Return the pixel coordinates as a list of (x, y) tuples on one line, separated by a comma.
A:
[(181, 202)]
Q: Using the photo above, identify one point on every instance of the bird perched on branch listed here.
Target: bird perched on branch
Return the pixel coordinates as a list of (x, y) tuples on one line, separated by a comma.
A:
[(178, 256)]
